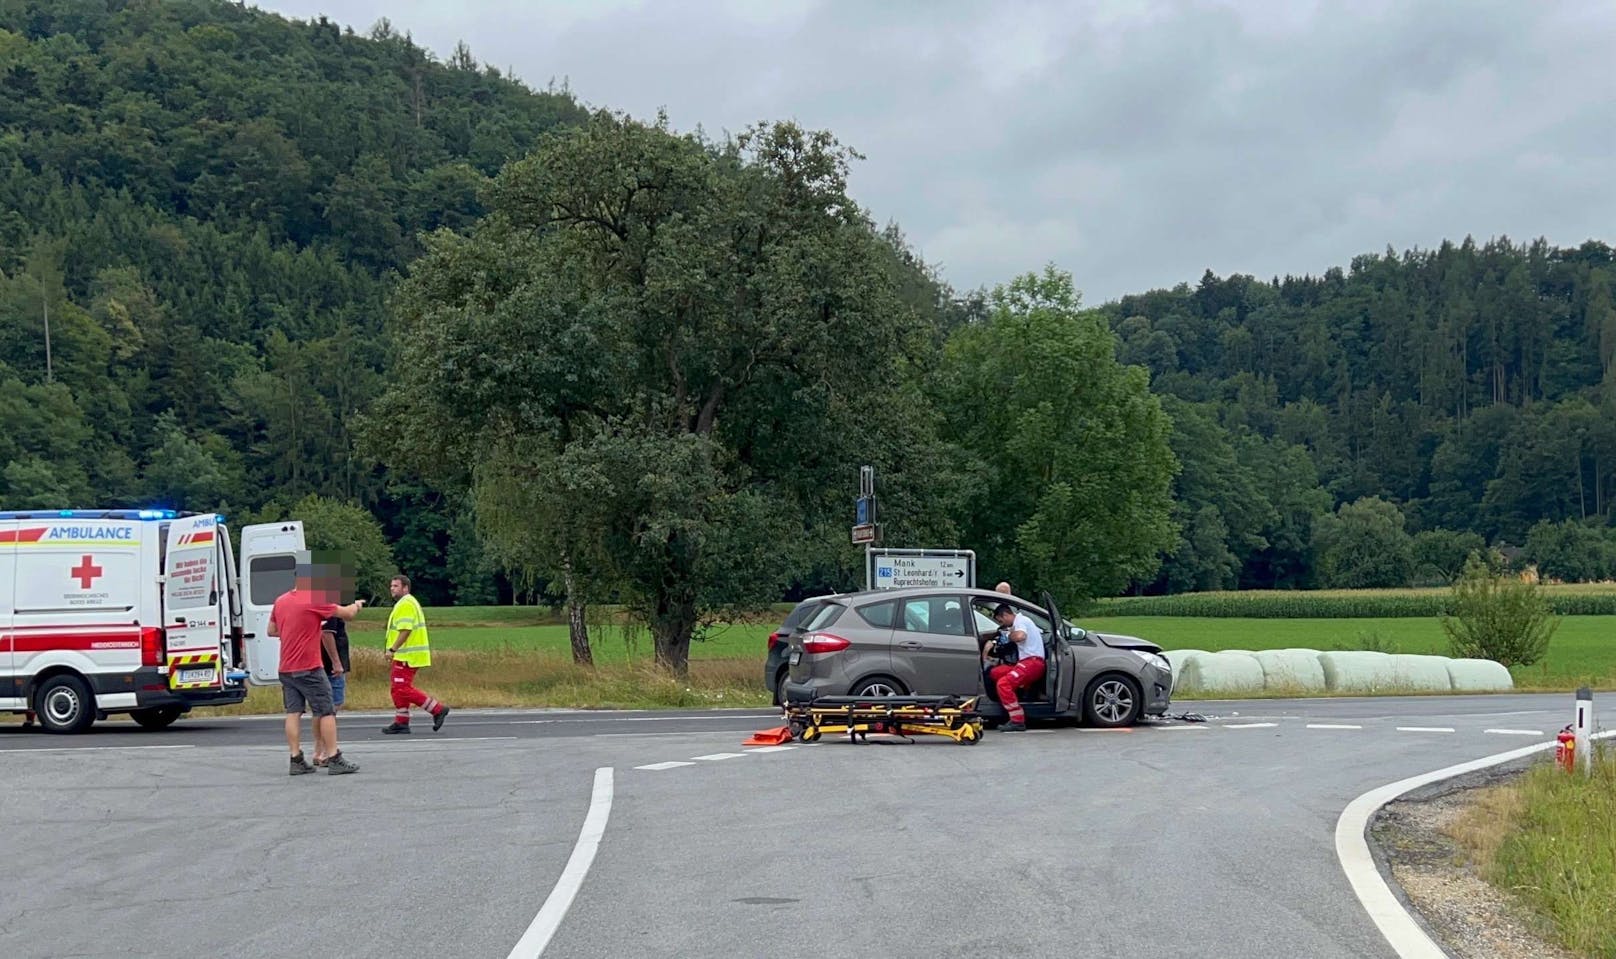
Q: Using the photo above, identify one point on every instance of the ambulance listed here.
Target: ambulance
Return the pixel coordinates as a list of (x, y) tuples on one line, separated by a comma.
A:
[(144, 612)]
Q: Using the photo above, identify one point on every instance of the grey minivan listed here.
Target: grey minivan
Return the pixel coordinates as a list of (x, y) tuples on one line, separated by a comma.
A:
[(929, 642)]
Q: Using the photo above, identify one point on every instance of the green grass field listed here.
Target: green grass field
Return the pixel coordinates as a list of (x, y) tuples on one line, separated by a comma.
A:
[(1583, 649), (610, 644)]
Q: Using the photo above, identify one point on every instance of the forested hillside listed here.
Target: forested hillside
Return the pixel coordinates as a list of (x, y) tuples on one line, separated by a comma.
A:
[(1467, 389), (206, 203), (211, 209)]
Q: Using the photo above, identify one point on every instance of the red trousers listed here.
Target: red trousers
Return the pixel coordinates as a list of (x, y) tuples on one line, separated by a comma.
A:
[(406, 695), (1007, 679)]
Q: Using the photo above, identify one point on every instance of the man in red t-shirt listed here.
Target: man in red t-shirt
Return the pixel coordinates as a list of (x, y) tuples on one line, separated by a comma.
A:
[(296, 618)]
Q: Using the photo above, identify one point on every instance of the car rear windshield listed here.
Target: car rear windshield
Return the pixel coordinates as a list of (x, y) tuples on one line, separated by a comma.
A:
[(799, 613), (825, 616)]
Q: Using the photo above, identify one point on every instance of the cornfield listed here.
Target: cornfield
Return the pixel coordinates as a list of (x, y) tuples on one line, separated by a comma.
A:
[(1582, 599)]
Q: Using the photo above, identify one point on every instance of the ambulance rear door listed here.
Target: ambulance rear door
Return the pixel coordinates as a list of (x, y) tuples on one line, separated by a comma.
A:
[(269, 555), (191, 605), (10, 683)]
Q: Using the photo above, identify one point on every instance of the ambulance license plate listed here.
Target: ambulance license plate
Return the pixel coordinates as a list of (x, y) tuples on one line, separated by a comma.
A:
[(197, 675), (796, 656)]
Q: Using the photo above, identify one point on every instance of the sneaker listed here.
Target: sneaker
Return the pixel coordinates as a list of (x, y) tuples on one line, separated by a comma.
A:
[(1013, 728), (439, 717), (393, 729), (338, 766), (300, 766)]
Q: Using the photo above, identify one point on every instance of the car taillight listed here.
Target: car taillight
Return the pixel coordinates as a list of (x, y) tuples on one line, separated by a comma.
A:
[(152, 643), (774, 639), (824, 643)]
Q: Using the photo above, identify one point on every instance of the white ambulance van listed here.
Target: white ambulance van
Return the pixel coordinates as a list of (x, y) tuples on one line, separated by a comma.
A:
[(142, 612)]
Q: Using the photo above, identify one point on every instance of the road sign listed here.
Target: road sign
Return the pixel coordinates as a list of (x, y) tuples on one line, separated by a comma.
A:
[(864, 533), (903, 568)]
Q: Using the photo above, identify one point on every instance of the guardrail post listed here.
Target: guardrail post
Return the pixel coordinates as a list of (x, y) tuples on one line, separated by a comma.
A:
[(1583, 727)]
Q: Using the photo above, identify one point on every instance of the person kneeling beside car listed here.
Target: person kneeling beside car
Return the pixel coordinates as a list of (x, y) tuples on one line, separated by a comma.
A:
[(1021, 662)]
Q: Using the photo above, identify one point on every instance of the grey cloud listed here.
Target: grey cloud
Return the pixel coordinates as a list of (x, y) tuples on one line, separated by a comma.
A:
[(1133, 144)]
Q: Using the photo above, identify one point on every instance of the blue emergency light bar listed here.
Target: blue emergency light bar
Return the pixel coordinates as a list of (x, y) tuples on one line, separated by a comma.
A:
[(125, 514)]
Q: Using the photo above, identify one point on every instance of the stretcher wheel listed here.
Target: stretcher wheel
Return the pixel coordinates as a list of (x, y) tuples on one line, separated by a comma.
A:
[(811, 734), (970, 734)]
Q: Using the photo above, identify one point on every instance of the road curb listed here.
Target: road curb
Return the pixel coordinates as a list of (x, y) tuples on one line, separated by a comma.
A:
[(1403, 930)]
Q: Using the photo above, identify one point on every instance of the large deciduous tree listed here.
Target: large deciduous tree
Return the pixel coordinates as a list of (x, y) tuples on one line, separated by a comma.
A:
[(652, 357), (1077, 490)]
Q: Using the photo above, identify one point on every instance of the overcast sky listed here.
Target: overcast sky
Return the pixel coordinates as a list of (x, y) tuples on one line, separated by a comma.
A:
[(1134, 143)]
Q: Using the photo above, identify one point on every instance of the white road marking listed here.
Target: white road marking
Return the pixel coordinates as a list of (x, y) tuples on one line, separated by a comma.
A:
[(658, 767), (1181, 726), (94, 749), (1516, 732), (1331, 726), (618, 719), (1407, 938), (715, 757), (770, 749), (1249, 725), (1425, 729), (555, 907)]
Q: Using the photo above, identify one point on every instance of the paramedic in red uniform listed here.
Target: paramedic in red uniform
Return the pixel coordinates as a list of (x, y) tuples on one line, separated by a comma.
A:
[(409, 651), (1025, 671), (297, 618)]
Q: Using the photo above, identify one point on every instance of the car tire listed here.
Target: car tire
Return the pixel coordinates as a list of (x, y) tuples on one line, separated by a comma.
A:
[(780, 687), (1112, 700), (64, 704), (878, 686), (157, 717)]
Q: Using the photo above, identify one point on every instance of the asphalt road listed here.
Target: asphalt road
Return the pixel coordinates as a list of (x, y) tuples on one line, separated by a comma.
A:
[(1184, 840)]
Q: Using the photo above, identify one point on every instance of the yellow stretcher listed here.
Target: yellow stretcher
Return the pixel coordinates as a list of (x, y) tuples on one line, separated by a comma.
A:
[(906, 716)]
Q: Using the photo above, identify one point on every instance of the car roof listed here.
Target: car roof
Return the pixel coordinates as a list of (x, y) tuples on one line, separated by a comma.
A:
[(973, 592)]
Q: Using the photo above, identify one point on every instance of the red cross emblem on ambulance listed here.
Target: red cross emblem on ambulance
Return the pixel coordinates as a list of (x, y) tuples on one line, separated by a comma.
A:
[(86, 572)]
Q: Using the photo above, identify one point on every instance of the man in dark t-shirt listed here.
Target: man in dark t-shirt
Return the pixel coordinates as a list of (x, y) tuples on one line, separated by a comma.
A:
[(339, 677)]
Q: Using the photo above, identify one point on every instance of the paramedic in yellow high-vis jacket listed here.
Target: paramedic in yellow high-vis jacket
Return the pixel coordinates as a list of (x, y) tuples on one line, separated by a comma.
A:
[(408, 650)]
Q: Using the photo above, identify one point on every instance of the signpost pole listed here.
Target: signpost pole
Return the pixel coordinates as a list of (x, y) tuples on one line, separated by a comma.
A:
[(867, 496)]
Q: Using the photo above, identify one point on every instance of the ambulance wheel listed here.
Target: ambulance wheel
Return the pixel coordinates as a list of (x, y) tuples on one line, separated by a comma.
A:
[(157, 717), (64, 705)]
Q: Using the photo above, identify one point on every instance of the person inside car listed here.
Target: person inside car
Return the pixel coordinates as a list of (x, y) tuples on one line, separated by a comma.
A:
[(1020, 670)]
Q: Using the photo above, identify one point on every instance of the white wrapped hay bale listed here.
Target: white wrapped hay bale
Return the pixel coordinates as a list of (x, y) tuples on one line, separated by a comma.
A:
[(1422, 674), (1291, 669), (1357, 671), (1176, 658), (1478, 676), (1226, 672)]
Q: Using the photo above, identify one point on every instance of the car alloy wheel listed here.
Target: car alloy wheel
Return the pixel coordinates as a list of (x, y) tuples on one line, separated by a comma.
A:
[(878, 687), (1112, 702)]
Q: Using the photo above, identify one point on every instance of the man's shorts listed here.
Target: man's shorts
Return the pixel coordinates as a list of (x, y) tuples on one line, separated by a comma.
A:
[(307, 689), (339, 688)]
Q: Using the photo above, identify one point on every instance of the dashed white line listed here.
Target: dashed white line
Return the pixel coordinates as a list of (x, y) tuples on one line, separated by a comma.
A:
[(1425, 729), (658, 767), (1516, 732), (770, 749), (1331, 726), (1249, 725), (715, 757), (555, 907)]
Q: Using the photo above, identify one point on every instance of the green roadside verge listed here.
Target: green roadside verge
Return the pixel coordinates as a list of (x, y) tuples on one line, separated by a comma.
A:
[(1549, 841)]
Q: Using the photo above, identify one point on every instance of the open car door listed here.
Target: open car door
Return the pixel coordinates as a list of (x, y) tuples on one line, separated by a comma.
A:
[(269, 555), (195, 633), (1059, 674)]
